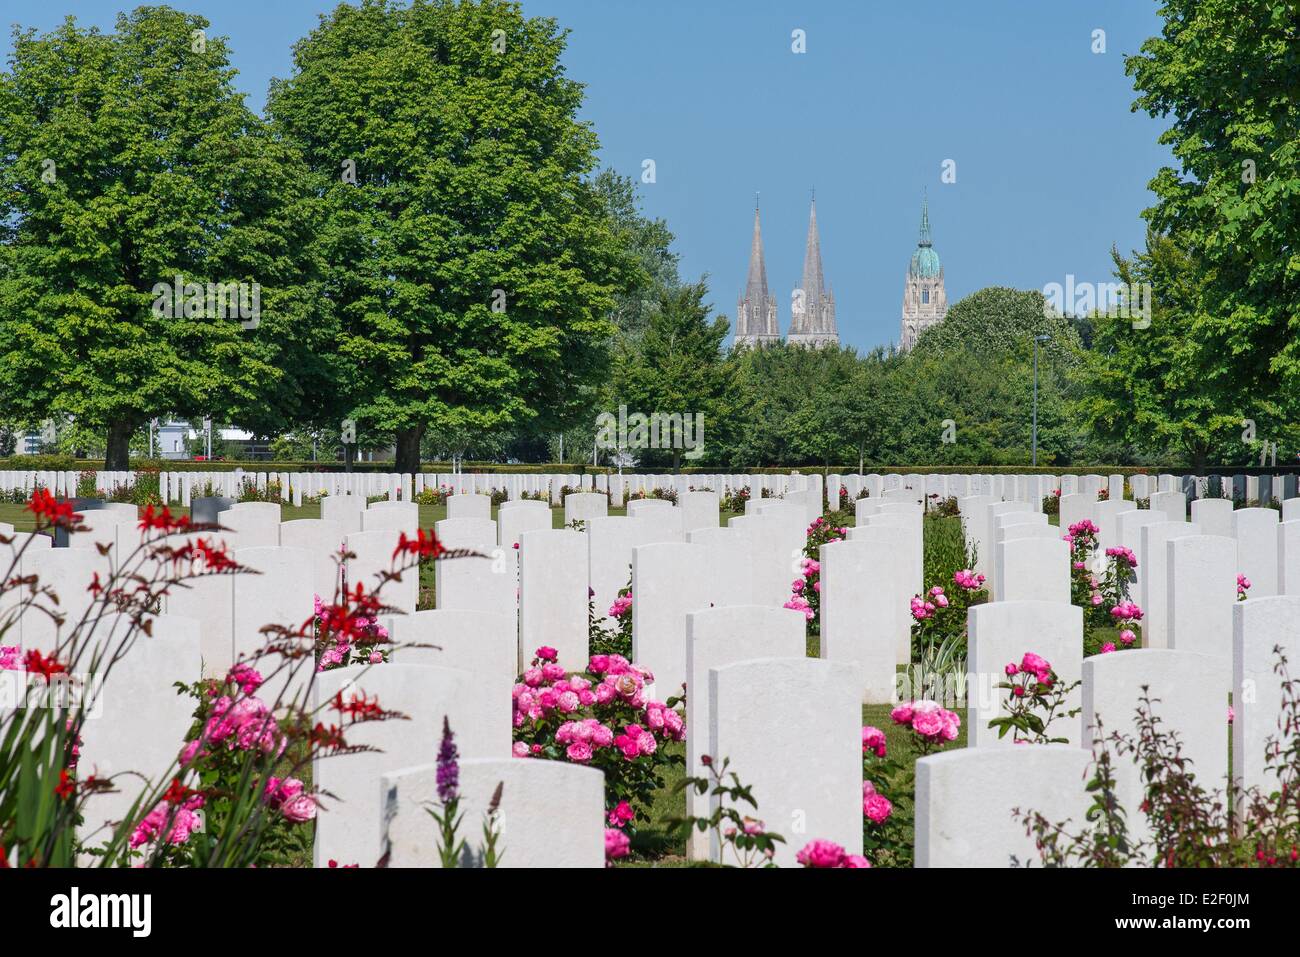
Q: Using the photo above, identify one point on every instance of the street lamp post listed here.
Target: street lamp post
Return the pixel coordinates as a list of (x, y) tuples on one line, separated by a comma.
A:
[(1033, 455)]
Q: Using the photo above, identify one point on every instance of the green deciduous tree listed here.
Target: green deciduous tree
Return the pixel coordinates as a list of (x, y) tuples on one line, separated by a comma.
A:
[(1141, 383), (650, 241), (678, 367), (1225, 72), (468, 263), (127, 159)]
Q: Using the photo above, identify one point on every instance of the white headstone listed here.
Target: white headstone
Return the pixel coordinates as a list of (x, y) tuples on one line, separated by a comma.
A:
[(515, 518), (251, 525), (553, 595), (717, 637), (138, 724), (581, 506), (344, 509), (1256, 530), (1201, 594), (398, 516), (861, 615), (372, 556), (965, 801), (1000, 633), (481, 643), (799, 751), (730, 565), (1153, 577), (551, 814), (349, 825), (1033, 569), (479, 534), (469, 506), (700, 510), (1259, 626), (323, 540), (278, 590), (1288, 558), (669, 581), (1187, 696), (1214, 515)]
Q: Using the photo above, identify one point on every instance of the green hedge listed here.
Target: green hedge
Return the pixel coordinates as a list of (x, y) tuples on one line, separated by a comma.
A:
[(64, 463)]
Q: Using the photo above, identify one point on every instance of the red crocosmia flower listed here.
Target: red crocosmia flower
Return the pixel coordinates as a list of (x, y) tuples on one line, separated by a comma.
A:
[(358, 707), (214, 557), (66, 787), (351, 622), (425, 545), (44, 506), (163, 520), (177, 793), (329, 738), (38, 664)]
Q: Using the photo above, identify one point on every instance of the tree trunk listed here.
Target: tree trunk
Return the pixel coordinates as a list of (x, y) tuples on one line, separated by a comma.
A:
[(408, 450), (118, 456), (1199, 456)]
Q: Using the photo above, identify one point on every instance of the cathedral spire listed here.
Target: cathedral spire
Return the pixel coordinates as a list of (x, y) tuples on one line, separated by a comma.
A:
[(756, 310), (756, 283), (814, 283), (925, 221), (813, 311)]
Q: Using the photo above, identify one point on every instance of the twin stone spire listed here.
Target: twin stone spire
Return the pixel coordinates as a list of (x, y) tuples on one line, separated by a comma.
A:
[(812, 305)]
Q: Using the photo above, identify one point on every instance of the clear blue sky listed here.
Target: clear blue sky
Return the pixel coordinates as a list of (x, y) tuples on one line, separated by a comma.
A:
[(1052, 166)]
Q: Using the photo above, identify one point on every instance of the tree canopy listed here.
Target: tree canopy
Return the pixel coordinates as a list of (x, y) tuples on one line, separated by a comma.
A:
[(469, 266), (129, 161)]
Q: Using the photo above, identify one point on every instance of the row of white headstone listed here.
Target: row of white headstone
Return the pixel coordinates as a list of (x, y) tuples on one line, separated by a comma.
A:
[(706, 614), (179, 487), (1202, 648)]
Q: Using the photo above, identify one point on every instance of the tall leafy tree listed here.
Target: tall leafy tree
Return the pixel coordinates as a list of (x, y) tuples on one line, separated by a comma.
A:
[(997, 322), (1227, 75), (469, 264), (1141, 383), (678, 368), (650, 241), (127, 159)]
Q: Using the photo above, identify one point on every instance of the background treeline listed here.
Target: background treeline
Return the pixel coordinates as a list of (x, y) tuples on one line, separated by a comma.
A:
[(453, 273)]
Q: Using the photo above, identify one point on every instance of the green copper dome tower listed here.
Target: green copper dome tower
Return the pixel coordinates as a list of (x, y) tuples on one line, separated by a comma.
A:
[(925, 303)]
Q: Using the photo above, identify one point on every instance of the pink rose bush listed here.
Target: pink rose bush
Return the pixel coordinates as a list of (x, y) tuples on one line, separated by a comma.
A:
[(617, 845), (889, 780), (1035, 697), (601, 717), (819, 853), (1243, 586), (805, 591), (611, 635), (1103, 593), (236, 739), (931, 724), (177, 815), (876, 808), (744, 841), (940, 614), (337, 647)]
